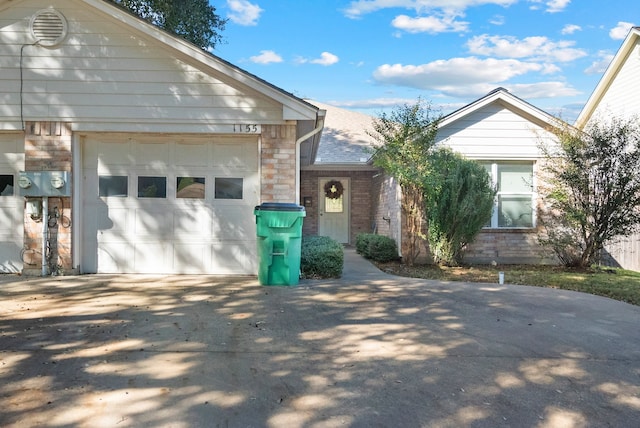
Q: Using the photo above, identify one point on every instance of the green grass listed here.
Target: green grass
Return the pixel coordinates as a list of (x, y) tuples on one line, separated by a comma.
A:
[(614, 283)]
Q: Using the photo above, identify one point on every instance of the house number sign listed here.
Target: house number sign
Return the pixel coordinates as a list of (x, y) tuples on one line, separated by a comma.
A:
[(251, 128)]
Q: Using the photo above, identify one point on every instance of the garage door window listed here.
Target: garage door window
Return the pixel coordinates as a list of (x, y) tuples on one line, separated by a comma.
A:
[(6, 185), (152, 187), (228, 188), (113, 185), (190, 187)]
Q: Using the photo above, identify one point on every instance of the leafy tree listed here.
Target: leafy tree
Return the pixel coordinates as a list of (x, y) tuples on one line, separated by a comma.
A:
[(593, 188), (405, 138), (194, 20), (459, 202)]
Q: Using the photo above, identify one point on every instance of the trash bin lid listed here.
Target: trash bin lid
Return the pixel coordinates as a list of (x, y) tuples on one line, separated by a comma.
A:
[(279, 206)]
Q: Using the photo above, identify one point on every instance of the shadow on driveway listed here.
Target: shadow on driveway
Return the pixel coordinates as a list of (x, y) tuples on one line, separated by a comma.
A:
[(367, 350)]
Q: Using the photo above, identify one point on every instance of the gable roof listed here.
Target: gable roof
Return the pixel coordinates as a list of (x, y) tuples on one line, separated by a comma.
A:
[(608, 77), (293, 108), (505, 98)]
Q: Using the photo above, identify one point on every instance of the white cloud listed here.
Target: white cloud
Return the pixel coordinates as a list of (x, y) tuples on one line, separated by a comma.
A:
[(266, 57), (372, 103), (552, 6), (447, 74), (497, 20), (537, 47), (571, 28), (358, 8), (543, 90), (429, 24), (600, 65), (243, 12), (620, 31), (326, 59)]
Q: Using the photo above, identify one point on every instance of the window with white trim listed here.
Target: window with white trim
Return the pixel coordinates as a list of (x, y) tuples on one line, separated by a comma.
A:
[(514, 205)]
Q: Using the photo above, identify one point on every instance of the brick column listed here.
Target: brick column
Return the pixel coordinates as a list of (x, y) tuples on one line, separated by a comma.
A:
[(278, 160), (47, 147)]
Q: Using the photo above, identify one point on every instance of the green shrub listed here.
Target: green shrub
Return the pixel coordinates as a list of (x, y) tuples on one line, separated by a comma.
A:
[(376, 247), (362, 244), (321, 257)]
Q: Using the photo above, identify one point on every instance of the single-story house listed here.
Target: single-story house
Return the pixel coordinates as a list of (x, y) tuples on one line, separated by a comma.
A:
[(617, 95), (499, 130), (124, 148)]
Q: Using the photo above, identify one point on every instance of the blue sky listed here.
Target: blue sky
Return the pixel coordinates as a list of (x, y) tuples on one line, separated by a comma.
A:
[(369, 55)]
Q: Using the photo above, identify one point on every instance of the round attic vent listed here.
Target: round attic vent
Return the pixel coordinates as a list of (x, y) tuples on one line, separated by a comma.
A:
[(48, 27)]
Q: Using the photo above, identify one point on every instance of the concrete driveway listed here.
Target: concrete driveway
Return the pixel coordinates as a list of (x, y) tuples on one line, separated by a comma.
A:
[(369, 350)]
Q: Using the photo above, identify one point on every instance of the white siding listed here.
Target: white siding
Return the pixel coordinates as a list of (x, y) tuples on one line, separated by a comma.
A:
[(621, 98), (104, 77), (494, 132)]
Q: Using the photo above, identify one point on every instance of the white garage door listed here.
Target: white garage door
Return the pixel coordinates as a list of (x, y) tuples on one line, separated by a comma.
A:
[(11, 205), (169, 205)]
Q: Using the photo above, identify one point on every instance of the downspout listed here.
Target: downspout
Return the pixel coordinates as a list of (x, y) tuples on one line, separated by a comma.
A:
[(316, 130)]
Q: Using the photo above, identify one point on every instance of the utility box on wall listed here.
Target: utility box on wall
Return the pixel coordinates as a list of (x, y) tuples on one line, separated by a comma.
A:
[(44, 183)]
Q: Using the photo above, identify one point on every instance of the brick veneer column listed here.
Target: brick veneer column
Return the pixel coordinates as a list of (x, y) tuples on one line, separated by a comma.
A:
[(47, 147), (278, 160)]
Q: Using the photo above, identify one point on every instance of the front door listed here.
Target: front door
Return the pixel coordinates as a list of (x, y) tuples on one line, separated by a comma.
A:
[(334, 209)]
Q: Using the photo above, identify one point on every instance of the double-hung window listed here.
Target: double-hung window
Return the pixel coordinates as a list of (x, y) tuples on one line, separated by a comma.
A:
[(514, 206)]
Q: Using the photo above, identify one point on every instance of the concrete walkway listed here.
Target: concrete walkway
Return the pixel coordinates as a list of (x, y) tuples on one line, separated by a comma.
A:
[(368, 350)]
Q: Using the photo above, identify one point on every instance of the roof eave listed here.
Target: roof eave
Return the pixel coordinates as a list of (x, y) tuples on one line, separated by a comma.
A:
[(607, 78)]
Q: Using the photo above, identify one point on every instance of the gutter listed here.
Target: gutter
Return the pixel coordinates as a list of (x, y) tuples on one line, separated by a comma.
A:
[(317, 130)]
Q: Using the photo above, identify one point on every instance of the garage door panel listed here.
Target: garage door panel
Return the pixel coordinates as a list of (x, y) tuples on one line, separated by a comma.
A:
[(153, 154), (243, 227), (152, 257), (192, 222), (157, 222), (113, 221), (10, 260), (192, 155), (112, 153), (191, 258), (114, 257), (233, 258), (11, 217)]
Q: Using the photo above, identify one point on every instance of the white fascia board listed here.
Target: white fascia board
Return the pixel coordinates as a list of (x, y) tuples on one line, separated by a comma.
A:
[(607, 78), (293, 108)]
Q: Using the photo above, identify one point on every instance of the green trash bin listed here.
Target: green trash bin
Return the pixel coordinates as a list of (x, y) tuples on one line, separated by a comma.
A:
[(279, 232)]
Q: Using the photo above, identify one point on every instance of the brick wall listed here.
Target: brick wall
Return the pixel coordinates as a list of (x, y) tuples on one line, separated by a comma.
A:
[(508, 247), (360, 199), (47, 147), (278, 160)]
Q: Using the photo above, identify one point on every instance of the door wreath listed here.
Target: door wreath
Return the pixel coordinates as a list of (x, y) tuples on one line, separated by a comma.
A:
[(333, 189)]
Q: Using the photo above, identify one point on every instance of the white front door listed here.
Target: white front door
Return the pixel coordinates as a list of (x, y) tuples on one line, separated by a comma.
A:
[(334, 211), (11, 203)]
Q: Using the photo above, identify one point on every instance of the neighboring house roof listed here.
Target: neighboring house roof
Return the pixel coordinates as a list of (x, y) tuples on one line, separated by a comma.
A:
[(344, 137), (610, 75)]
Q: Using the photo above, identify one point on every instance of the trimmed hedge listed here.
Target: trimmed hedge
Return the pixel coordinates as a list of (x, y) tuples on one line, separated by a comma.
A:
[(321, 257), (376, 247)]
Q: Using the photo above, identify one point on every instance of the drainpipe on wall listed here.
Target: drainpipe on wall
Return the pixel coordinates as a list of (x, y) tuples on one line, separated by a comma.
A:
[(318, 128)]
